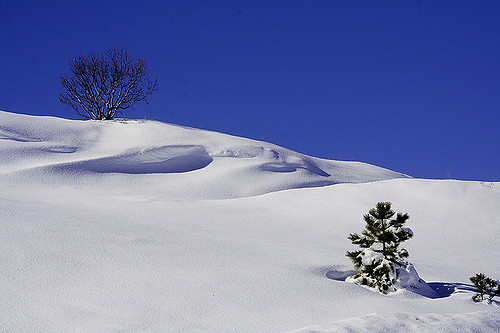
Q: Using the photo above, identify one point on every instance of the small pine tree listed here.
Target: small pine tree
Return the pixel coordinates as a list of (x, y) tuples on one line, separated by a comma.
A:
[(380, 257), (484, 286)]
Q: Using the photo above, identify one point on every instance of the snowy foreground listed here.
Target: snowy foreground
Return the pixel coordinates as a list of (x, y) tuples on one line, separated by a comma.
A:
[(140, 226)]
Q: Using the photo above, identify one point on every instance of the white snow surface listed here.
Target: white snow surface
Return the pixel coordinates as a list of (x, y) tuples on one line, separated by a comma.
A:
[(170, 161), (141, 226)]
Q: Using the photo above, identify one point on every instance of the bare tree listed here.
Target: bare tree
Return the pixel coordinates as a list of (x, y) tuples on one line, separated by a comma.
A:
[(103, 84)]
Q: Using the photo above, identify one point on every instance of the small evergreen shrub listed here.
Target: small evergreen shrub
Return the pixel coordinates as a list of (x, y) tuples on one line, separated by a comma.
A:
[(485, 286), (380, 260)]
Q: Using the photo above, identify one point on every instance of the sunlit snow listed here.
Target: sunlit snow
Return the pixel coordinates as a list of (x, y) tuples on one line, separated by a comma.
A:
[(141, 226)]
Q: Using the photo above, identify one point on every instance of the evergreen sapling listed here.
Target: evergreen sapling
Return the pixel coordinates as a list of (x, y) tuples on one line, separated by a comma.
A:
[(484, 286), (380, 261)]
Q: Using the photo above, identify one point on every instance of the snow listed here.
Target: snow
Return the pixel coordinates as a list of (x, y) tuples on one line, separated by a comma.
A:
[(409, 231), (406, 322), (142, 226), (369, 257)]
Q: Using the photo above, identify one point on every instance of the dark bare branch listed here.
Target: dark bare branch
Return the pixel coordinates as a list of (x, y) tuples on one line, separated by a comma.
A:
[(101, 85)]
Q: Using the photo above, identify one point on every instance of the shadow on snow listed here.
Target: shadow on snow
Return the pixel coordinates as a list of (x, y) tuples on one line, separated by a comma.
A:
[(441, 289)]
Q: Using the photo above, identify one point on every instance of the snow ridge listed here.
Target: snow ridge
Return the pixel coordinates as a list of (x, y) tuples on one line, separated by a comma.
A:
[(225, 166)]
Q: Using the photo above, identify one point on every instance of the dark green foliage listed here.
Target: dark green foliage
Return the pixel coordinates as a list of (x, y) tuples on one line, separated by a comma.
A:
[(356, 258), (382, 234), (379, 243), (484, 286), (380, 275)]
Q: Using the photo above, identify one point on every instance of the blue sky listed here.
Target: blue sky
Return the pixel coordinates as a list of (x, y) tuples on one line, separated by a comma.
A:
[(413, 86)]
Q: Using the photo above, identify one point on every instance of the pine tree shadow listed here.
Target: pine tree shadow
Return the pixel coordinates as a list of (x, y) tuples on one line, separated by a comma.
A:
[(340, 275), (440, 289), (445, 289), (334, 272)]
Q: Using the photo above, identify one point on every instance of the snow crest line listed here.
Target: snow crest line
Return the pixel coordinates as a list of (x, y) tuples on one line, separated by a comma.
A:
[(166, 159)]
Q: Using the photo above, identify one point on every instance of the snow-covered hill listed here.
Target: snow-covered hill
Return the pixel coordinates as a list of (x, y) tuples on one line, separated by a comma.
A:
[(189, 163), (139, 226)]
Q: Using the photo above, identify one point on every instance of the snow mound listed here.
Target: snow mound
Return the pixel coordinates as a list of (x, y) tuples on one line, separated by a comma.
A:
[(44, 148), (402, 275), (410, 280), (167, 159)]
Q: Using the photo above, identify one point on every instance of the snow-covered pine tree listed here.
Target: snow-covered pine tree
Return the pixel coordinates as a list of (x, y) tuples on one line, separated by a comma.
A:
[(484, 286), (380, 260)]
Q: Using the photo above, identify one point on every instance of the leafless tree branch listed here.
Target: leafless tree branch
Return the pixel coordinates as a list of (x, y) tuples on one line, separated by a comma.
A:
[(101, 85)]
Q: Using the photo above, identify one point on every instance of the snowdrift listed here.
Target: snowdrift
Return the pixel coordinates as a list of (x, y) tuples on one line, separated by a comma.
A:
[(189, 162), (139, 226)]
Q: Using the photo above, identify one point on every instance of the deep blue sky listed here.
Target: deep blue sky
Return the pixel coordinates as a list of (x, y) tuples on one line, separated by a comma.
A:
[(413, 86)]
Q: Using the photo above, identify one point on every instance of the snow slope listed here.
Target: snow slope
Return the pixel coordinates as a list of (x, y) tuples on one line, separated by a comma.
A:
[(189, 163), (139, 226)]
